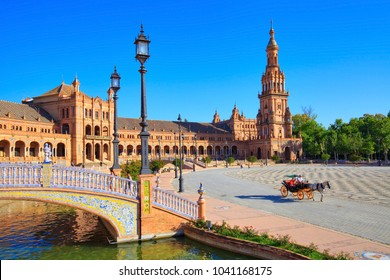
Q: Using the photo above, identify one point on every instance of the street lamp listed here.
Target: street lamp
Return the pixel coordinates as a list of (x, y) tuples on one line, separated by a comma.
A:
[(115, 86), (174, 137), (227, 152), (379, 152), (142, 54), (159, 148), (196, 153), (181, 156)]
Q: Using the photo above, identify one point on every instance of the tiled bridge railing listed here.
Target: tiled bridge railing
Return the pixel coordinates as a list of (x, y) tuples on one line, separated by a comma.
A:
[(31, 175)]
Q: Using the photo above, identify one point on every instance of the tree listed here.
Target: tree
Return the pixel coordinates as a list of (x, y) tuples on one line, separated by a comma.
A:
[(230, 160), (313, 134), (325, 157), (206, 160), (176, 162), (252, 159), (156, 165), (133, 169)]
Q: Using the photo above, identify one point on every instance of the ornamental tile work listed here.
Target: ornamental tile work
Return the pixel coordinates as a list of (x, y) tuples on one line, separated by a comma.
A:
[(121, 213)]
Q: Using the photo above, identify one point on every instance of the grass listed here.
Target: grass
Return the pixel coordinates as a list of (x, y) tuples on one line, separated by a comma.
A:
[(250, 234)]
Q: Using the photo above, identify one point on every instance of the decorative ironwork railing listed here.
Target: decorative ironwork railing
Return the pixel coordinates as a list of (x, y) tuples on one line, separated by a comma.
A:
[(174, 203)]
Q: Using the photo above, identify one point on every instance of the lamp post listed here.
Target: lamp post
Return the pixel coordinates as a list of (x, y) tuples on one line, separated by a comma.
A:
[(159, 148), (196, 153), (115, 86), (227, 152), (142, 54), (174, 137), (181, 189), (379, 152)]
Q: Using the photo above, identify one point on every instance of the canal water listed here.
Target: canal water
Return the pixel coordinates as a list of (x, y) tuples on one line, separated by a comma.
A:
[(42, 231)]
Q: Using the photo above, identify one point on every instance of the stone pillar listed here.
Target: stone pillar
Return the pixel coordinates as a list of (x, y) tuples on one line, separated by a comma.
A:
[(201, 203), (145, 191)]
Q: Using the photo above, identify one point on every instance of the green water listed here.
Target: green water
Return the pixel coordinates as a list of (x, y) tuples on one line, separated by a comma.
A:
[(42, 231)]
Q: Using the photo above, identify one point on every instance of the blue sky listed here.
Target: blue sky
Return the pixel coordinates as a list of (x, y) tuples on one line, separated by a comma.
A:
[(205, 55)]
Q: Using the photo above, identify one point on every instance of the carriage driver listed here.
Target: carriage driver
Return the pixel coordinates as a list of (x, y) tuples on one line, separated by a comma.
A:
[(299, 180)]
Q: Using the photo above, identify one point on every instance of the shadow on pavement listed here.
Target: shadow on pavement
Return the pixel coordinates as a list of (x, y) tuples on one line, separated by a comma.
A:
[(273, 198)]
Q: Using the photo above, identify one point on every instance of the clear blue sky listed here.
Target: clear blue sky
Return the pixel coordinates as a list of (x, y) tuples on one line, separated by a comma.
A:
[(205, 55)]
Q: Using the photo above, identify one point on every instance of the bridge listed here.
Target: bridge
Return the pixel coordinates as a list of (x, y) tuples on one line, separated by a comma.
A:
[(130, 210)]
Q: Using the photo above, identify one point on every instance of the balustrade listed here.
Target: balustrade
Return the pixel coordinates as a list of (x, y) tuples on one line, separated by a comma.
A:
[(28, 175), (167, 199)]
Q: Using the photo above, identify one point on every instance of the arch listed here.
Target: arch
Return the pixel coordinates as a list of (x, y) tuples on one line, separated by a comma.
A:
[(34, 149), (106, 154), (97, 151), (61, 152), (5, 148), (234, 151), (226, 150), (65, 128), (105, 131), (157, 151), (139, 150), (20, 148), (217, 150), (122, 227), (193, 150), (88, 151), (175, 150), (209, 150), (287, 153), (88, 130), (97, 130), (166, 150), (120, 150), (129, 149), (201, 150), (259, 153)]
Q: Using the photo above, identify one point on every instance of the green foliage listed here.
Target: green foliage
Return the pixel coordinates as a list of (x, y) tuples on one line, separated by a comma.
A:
[(325, 157), (206, 159), (176, 162), (275, 158), (252, 159), (156, 165), (367, 136), (230, 160), (133, 168), (354, 158), (284, 242)]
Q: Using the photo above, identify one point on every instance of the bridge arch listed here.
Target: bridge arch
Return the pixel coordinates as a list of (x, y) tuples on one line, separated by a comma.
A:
[(130, 210), (121, 223)]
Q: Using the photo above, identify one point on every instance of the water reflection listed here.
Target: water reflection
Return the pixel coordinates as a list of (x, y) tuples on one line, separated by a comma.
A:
[(36, 230)]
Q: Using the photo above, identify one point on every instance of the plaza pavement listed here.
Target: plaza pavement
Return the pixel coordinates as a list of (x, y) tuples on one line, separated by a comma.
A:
[(370, 186)]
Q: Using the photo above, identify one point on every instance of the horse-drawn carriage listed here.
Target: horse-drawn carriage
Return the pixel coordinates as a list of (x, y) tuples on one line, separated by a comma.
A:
[(300, 188)]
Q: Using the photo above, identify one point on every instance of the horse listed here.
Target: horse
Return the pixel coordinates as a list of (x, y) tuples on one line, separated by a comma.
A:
[(320, 187)]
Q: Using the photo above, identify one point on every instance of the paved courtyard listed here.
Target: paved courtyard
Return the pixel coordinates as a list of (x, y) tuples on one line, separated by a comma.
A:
[(358, 202)]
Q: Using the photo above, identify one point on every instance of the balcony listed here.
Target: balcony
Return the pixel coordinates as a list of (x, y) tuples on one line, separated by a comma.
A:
[(97, 137)]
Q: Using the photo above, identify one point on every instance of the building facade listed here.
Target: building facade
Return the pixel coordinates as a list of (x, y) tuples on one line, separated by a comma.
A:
[(79, 128)]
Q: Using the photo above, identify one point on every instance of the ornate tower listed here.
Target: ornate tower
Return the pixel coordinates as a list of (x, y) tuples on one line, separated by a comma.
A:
[(216, 118), (274, 118)]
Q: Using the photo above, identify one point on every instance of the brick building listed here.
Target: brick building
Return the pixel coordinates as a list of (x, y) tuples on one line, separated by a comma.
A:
[(79, 128)]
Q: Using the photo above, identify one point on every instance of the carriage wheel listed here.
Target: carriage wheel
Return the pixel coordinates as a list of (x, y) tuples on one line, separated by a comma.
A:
[(310, 195), (284, 191), (300, 194)]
